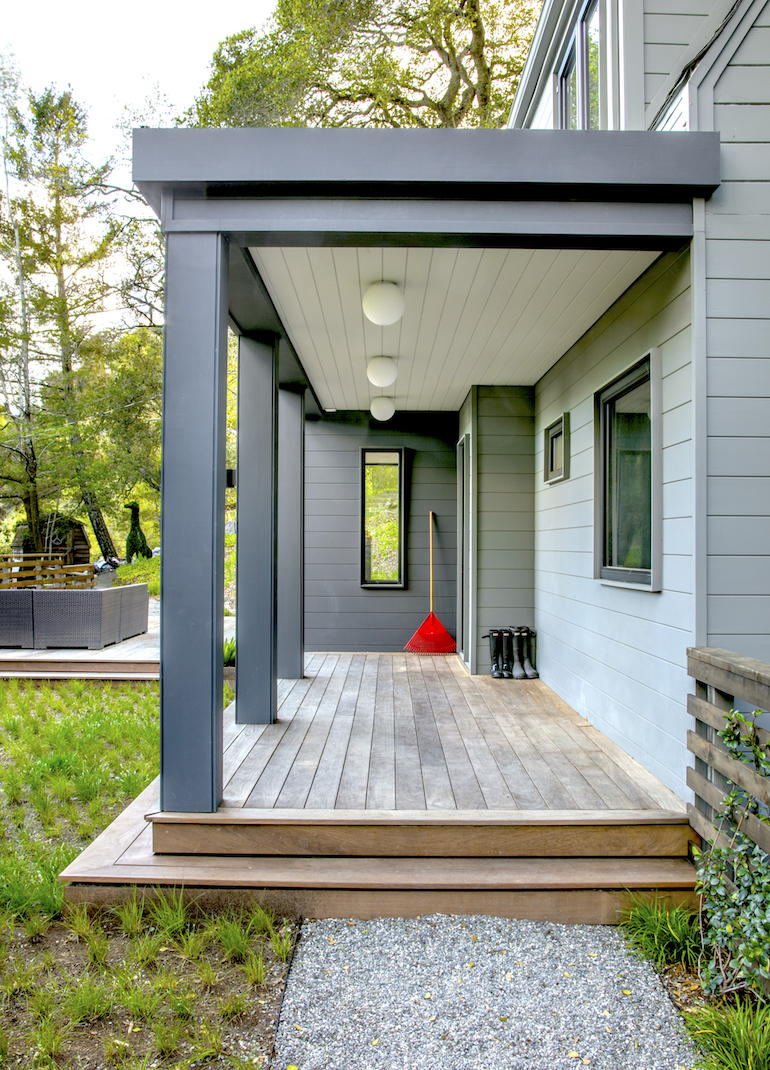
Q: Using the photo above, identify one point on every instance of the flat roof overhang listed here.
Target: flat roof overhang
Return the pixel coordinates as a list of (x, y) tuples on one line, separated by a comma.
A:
[(480, 188)]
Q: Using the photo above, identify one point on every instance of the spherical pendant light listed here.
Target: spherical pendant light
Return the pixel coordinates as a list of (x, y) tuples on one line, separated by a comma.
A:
[(381, 371), (382, 408), (383, 303)]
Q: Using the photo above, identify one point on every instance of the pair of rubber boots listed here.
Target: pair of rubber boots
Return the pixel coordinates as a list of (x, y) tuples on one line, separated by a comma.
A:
[(509, 649)]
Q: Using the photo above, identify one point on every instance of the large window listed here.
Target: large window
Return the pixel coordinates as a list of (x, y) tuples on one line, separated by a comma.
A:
[(629, 477), (382, 518), (579, 77)]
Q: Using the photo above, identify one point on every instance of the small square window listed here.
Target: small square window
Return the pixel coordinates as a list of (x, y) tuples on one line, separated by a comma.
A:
[(556, 450), (382, 519)]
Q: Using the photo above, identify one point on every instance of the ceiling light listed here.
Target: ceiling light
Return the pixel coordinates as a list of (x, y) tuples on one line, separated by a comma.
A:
[(381, 371), (383, 303), (382, 408)]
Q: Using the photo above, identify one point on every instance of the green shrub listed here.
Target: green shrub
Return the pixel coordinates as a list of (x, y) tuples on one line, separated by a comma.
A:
[(229, 652)]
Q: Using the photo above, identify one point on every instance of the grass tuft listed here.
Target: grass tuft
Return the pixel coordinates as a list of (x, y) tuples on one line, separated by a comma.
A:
[(731, 1037), (234, 937), (663, 934), (130, 915), (169, 913), (254, 968)]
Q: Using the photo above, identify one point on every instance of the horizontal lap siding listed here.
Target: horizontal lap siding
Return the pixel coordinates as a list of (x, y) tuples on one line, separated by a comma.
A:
[(738, 346), (669, 27), (617, 655), (505, 511), (339, 613)]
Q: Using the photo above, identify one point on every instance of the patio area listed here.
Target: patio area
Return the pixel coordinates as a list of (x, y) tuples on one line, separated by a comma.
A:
[(397, 784)]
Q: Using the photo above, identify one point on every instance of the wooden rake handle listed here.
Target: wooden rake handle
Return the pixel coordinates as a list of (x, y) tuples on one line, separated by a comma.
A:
[(430, 537)]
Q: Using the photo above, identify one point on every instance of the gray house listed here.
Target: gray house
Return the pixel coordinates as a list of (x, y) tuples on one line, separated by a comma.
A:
[(581, 398)]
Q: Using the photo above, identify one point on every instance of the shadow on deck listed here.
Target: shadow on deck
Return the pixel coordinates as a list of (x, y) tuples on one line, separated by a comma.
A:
[(399, 785)]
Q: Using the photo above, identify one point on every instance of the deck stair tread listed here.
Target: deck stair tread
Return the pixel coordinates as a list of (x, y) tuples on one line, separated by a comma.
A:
[(402, 873)]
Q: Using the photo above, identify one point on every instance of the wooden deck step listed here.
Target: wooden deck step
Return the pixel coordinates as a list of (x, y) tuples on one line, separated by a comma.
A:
[(411, 874), (57, 668), (425, 834)]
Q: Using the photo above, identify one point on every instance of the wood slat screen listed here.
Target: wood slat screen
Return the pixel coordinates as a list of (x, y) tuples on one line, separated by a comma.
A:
[(43, 570), (721, 678)]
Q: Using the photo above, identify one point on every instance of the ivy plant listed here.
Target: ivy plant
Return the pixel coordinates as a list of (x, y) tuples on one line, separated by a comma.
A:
[(734, 881)]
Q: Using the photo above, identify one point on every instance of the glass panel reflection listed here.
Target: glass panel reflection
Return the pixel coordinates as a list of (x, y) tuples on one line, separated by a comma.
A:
[(382, 517), (629, 478), (592, 67)]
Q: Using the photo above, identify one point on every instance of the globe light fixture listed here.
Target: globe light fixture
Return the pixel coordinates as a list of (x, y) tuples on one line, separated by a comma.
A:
[(383, 303), (381, 371), (382, 408)]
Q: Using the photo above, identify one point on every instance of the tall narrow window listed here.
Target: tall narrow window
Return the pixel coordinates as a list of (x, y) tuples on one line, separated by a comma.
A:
[(579, 104), (556, 450), (627, 477), (382, 518)]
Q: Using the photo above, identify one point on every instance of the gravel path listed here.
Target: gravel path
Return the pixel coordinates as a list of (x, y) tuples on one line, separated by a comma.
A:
[(473, 993)]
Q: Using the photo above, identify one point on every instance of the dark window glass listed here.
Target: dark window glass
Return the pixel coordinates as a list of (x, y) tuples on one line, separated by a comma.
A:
[(626, 430), (382, 517)]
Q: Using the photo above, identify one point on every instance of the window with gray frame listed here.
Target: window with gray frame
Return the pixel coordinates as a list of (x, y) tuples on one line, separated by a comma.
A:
[(383, 562), (625, 417), (556, 450), (579, 75)]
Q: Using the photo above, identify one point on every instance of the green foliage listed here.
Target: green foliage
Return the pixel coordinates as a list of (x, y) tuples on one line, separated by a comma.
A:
[(136, 543), (734, 880), (732, 1037), (380, 63), (99, 738), (229, 652), (144, 570), (661, 933), (282, 942)]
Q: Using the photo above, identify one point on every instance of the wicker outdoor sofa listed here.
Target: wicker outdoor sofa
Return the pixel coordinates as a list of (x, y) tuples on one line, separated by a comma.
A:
[(72, 618)]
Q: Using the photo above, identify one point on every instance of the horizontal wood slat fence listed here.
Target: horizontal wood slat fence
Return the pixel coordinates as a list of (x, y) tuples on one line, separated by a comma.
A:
[(721, 678), (43, 570)]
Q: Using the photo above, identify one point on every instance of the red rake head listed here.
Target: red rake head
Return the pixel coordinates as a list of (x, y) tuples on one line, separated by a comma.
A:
[(431, 638)]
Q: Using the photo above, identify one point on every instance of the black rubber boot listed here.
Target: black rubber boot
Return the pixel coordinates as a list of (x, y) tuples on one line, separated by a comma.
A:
[(507, 645), (526, 650), (495, 653), (518, 672)]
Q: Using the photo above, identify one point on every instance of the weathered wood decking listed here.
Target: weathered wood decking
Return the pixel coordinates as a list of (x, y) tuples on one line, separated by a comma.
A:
[(401, 732), (400, 784)]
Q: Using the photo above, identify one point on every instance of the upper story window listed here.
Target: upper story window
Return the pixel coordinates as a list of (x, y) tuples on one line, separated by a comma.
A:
[(579, 76)]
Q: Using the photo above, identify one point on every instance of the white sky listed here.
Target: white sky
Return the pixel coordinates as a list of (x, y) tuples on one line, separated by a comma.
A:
[(113, 55)]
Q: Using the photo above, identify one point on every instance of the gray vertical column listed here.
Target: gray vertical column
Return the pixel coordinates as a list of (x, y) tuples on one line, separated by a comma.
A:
[(256, 697), (291, 535), (192, 522)]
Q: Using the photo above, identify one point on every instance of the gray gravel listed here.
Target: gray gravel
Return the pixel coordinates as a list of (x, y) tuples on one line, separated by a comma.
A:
[(473, 993)]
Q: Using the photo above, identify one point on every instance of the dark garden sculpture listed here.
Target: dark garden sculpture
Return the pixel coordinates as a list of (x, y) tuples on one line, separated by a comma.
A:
[(136, 543)]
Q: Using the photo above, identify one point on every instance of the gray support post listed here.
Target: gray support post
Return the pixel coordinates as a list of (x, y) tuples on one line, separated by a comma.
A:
[(291, 535), (256, 693), (192, 522)]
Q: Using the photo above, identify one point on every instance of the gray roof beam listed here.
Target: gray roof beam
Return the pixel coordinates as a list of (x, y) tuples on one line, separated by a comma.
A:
[(632, 165)]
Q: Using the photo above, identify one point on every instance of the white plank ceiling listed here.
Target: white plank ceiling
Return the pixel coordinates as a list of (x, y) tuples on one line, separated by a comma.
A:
[(497, 317)]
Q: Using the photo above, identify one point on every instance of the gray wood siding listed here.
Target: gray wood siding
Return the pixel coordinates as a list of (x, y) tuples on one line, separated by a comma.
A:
[(339, 613), (618, 655), (505, 460), (669, 27), (738, 347)]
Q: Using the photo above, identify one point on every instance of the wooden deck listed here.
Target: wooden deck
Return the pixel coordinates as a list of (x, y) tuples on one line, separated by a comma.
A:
[(137, 658), (400, 784)]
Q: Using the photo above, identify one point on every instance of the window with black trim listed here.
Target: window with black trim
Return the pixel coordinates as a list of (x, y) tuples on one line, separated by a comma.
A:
[(626, 437), (579, 76), (383, 561), (556, 450)]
